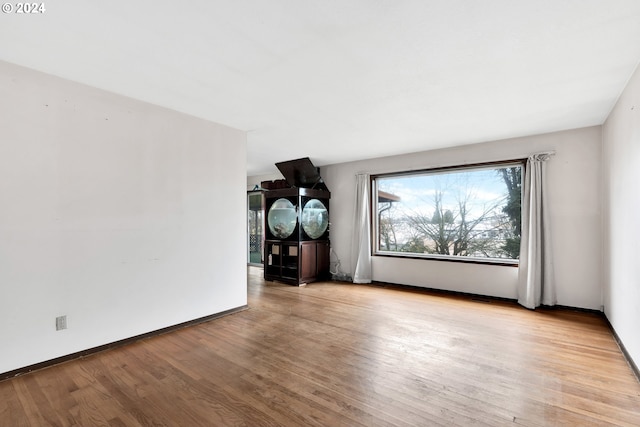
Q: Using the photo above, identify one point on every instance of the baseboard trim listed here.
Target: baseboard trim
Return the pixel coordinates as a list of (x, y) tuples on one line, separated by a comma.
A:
[(413, 288), (624, 351), (480, 297), (120, 343)]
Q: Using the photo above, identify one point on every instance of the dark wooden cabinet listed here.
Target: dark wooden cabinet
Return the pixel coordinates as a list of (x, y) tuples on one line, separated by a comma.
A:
[(297, 248), (297, 235)]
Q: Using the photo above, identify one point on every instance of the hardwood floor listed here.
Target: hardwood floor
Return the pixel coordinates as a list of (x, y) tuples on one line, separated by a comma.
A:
[(332, 354)]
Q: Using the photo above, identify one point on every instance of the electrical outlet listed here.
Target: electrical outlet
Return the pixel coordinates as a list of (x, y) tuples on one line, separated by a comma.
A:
[(61, 323)]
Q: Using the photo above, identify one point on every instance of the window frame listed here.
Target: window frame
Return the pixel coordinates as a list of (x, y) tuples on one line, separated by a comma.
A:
[(375, 247)]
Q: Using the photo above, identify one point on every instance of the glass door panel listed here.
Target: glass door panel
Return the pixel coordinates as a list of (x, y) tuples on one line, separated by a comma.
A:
[(255, 224)]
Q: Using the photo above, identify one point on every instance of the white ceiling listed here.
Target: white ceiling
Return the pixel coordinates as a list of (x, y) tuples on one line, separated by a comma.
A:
[(341, 80)]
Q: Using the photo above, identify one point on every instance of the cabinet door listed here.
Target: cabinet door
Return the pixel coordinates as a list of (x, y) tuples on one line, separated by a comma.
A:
[(322, 260), (308, 264)]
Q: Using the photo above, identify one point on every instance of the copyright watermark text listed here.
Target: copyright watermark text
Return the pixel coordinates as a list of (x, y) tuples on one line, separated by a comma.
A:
[(23, 8)]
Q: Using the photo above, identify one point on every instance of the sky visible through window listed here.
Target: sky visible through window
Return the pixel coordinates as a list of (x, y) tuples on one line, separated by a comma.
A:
[(459, 212), (417, 192)]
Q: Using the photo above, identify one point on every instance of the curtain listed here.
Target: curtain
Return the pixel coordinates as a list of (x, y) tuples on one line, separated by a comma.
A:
[(535, 274), (361, 244)]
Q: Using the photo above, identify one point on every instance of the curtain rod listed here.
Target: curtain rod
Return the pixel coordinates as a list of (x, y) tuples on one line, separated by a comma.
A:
[(543, 156)]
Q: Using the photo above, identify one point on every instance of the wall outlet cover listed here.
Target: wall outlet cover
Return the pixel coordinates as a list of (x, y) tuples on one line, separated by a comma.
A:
[(61, 323)]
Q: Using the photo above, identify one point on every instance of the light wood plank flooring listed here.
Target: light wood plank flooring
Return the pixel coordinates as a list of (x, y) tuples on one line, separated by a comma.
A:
[(332, 354)]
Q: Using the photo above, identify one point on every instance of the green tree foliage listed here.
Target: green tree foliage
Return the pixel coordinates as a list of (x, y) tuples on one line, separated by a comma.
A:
[(513, 180), (415, 245)]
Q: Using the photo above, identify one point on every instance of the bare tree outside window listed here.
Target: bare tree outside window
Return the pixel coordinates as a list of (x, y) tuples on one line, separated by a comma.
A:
[(472, 212)]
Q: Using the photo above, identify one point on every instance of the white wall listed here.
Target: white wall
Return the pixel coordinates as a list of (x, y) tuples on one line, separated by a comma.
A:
[(123, 216), (575, 200), (621, 160)]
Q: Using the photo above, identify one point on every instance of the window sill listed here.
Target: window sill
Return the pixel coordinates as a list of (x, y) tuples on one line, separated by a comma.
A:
[(450, 258)]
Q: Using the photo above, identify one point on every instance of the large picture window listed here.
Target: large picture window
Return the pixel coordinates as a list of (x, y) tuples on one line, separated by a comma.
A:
[(467, 213)]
